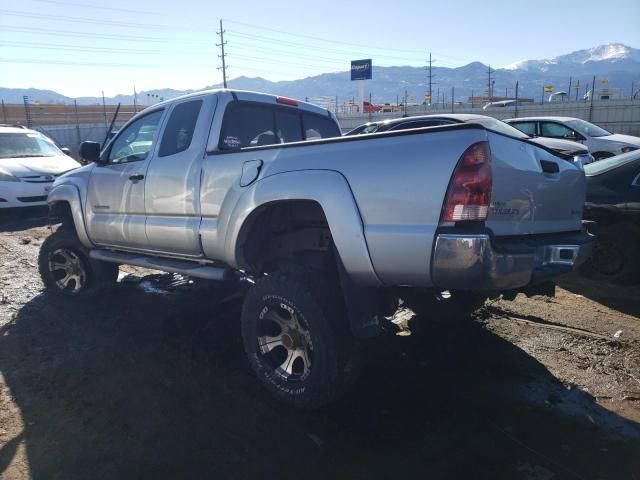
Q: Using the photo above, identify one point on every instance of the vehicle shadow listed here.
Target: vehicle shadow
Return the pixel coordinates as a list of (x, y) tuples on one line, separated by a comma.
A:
[(18, 219), (623, 298), (150, 383)]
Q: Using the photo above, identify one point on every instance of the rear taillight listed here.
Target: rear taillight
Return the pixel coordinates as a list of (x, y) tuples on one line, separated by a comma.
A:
[(469, 191)]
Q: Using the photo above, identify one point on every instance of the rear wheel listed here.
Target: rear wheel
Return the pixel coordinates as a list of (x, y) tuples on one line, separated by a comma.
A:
[(615, 257), (297, 339), (67, 270)]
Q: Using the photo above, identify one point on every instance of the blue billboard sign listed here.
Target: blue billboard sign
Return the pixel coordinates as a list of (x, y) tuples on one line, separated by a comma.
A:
[(361, 69)]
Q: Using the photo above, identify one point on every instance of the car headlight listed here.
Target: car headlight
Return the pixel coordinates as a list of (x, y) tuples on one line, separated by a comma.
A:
[(628, 149), (7, 177)]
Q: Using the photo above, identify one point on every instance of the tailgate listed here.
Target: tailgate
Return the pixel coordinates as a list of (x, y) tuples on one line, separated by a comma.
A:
[(534, 191)]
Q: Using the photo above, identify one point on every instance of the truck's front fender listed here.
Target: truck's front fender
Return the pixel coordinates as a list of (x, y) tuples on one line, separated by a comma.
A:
[(69, 193), (332, 192)]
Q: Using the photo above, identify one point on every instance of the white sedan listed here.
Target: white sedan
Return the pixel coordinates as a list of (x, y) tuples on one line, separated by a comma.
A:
[(601, 143), (29, 163)]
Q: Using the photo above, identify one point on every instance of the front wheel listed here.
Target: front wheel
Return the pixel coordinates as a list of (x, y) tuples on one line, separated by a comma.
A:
[(296, 340), (67, 270)]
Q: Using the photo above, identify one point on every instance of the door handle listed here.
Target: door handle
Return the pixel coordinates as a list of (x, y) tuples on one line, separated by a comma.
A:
[(549, 167), (136, 177)]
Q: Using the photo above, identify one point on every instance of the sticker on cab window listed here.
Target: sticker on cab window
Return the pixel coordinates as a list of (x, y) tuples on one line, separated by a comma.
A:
[(231, 141)]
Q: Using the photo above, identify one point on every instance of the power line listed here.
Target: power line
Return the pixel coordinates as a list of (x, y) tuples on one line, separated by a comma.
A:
[(54, 46), (66, 18), (368, 47), (102, 36), (55, 62), (351, 53), (84, 5)]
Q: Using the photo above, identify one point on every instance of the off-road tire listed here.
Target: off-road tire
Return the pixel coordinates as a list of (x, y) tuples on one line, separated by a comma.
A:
[(335, 356), (97, 275)]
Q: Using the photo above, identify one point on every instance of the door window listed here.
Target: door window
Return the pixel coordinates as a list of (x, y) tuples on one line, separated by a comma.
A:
[(180, 126), (135, 142), (526, 127), (556, 130)]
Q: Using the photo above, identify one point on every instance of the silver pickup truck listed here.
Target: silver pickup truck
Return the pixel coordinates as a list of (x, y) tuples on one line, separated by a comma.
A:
[(330, 233)]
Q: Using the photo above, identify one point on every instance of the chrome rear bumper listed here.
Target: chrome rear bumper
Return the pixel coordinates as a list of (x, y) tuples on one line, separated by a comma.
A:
[(472, 262)]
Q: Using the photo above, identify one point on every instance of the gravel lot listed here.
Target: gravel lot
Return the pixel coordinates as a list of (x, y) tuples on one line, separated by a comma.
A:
[(151, 382)]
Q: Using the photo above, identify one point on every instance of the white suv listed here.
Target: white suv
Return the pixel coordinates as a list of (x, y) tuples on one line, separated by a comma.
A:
[(29, 163)]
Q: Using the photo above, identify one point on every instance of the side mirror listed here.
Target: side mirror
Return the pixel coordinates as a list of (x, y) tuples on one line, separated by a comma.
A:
[(90, 152), (66, 151)]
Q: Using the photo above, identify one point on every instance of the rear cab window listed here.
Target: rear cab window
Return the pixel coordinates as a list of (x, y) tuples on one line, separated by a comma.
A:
[(252, 124)]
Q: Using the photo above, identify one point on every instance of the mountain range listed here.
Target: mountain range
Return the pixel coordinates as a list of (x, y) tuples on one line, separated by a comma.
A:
[(614, 65)]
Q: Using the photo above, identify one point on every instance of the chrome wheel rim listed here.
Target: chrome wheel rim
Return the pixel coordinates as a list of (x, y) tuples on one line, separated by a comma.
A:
[(67, 269), (285, 343)]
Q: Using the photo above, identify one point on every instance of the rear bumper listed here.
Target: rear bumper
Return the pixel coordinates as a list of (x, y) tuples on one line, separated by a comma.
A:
[(474, 262)]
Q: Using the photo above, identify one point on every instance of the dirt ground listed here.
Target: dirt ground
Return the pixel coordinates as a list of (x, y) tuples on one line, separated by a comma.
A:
[(151, 382)]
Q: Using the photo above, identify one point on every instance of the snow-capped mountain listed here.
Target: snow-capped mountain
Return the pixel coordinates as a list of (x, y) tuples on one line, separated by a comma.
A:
[(611, 53)]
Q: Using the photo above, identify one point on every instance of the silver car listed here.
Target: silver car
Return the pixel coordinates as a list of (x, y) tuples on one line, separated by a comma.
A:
[(601, 143)]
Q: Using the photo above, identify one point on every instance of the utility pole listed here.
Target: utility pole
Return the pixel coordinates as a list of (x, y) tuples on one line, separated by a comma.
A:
[(406, 96), (471, 98), (135, 100), (489, 84), (515, 113), (223, 55), (453, 90), (27, 110), (569, 91), (75, 106), (104, 111), (430, 79), (593, 94), (4, 110)]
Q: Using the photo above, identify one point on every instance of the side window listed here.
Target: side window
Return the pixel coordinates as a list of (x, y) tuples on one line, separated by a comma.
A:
[(556, 130), (247, 125), (528, 128), (180, 126), (289, 126), (316, 126), (135, 142)]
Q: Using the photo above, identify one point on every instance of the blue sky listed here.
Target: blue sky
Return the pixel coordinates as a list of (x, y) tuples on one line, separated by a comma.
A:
[(83, 47)]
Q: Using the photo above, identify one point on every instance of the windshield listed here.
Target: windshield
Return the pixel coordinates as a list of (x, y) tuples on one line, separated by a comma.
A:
[(27, 144), (587, 129), (500, 127), (368, 128)]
